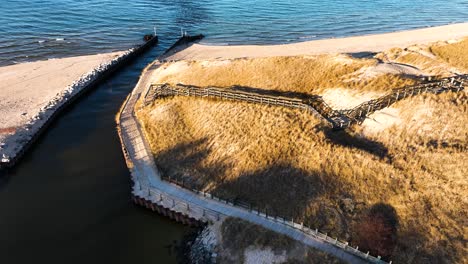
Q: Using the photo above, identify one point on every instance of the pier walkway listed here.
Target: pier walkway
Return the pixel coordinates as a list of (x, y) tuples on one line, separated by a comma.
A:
[(155, 192)]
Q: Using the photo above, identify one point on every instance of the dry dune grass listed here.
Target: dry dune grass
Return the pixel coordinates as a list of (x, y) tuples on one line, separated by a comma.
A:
[(284, 161), (435, 59), (237, 236), (309, 74), (455, 54)]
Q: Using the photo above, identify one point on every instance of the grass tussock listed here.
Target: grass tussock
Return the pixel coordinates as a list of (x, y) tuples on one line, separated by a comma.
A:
[(455, 54), (436, 59), (311, 74), (282, 160), (238, 235)]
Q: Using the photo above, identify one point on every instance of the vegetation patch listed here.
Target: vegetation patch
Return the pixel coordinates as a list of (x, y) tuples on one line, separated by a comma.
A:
[(344, 183), (240, 237)]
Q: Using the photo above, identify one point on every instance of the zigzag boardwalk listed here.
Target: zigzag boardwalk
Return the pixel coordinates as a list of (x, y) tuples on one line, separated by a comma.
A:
[(360, 112), (151, 191), (313, 104), (337, 119)]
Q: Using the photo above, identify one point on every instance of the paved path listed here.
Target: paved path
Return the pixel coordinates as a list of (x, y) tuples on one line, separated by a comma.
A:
[(150, 186)]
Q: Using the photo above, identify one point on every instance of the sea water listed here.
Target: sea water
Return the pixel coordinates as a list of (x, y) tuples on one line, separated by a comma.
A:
[(38, 29)]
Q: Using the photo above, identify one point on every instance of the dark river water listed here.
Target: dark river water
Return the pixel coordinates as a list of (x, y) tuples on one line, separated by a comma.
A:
[(68, 200)]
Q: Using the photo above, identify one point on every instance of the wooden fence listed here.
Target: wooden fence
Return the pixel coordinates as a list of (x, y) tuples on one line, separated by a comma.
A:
[(360, 112), (247, 95), (337, 119), (207, 215)]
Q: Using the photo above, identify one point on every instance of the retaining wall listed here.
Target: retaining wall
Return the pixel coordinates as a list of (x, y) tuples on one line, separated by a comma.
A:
[(69, 101)]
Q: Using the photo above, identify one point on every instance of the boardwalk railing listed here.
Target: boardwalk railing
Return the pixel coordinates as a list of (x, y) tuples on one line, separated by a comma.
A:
[(130, 129), (247, 95), (211, 215), (359, 113), (337, 119)]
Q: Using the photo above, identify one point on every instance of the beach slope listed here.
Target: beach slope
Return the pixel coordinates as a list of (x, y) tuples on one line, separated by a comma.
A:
[(359, 44)]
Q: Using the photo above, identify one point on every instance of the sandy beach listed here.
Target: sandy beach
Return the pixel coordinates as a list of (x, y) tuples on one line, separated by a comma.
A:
[(31, 92), (368, 43)]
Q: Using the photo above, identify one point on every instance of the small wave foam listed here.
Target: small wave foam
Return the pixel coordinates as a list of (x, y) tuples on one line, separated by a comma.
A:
[(308, 37), (41, 41), (59, 39)]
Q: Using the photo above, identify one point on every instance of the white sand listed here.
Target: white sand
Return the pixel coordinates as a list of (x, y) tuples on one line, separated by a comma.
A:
[(340, 98), (254, 255), (31, 92), (369, 43)]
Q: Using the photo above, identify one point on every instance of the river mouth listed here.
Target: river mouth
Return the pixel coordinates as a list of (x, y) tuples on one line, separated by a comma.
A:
[(68, 199)]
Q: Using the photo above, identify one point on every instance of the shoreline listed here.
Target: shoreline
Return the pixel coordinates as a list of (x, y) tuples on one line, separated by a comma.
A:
[(20, 131), (356, 44)]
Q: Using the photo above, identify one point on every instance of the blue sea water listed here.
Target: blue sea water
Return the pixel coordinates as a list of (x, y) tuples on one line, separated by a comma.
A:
[(38, 29)]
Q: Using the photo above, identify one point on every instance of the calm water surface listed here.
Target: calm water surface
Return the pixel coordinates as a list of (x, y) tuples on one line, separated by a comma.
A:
[(68, 201), (37, 29)]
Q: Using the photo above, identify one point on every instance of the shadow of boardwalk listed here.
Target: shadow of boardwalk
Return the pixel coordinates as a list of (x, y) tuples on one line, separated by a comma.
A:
[(348, 139), (185, 163), (263, 91)]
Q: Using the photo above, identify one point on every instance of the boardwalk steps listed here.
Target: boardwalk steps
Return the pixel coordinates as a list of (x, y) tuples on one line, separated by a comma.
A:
[(337, 119)]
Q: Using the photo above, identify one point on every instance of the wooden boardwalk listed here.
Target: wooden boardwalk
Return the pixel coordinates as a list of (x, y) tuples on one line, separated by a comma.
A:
[(148, 185), (337, 119)]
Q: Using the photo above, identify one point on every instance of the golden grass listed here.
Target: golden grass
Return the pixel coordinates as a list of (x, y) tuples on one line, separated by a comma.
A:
[(308, 74), (455, 54), (435, 59), (238, 235), (282, 160)]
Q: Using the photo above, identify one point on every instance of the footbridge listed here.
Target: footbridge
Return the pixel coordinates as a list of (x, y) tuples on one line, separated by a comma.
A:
[(314, 104)]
